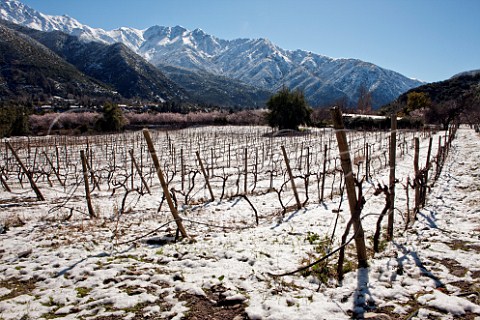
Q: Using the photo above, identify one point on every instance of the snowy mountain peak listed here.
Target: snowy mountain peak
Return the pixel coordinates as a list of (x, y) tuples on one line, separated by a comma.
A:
[(19, 13), (257, 62), (168, 34), (175, 32), (199, 32)]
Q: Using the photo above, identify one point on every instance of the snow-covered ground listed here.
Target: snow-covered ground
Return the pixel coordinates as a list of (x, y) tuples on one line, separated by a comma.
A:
[(126, 264)]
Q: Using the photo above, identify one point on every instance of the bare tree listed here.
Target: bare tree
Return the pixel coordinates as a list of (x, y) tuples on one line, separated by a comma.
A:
[(364, 104)]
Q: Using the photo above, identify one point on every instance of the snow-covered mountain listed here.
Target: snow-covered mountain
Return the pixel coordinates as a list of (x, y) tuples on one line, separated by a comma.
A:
[(19, 13), (261, 63), (257, 62)]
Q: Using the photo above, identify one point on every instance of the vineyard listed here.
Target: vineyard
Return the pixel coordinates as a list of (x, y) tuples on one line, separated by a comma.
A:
[(224, 222)]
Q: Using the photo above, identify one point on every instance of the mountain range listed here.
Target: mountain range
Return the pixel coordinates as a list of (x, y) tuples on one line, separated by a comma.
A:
[(30, 69), (459, 89), (115, 65), (242, 72)]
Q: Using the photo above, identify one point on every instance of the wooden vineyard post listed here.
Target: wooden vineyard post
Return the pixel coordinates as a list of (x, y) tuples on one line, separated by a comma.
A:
[(301, 157), (229, 156), (392, 164), (131, 169), (139, 171), (29, 175), (407, 222), (416, 182), (438, 160), (57, 158), (367, 162), (256, 168), (212, 164), (166, 192), (245, 184), (287, 163), (355, 208), (91, 212), (324, 172), (205, 175), (182, 169), (427, 168), (444, 138), (307, 176)]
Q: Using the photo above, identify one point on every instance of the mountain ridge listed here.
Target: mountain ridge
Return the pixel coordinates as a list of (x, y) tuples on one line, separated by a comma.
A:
[(30, 69), (454, 89), (114, 65), (255, 62)]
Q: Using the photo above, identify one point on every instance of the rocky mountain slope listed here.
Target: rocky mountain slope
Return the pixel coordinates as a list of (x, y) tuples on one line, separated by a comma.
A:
[(255, 62), (116, 65), (31, 70), (261, 63)]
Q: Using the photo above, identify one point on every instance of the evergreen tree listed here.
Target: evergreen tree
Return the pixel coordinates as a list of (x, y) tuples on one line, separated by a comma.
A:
[(14, 120), (288, 110), (112, 118)]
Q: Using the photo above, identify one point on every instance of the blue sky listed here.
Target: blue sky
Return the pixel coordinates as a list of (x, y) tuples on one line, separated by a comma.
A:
[(430, 40)]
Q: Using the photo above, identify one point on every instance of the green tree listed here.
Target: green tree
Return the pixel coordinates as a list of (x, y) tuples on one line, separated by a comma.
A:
[(20, 124), (416, 101), (288, 110), (112, 118), (14, 120)]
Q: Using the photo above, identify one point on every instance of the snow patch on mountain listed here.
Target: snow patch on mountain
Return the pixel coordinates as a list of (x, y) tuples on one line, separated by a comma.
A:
[(257, 62)]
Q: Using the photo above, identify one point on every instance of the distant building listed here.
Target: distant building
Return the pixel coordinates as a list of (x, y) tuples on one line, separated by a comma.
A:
[(44, 108), (365, 116)]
